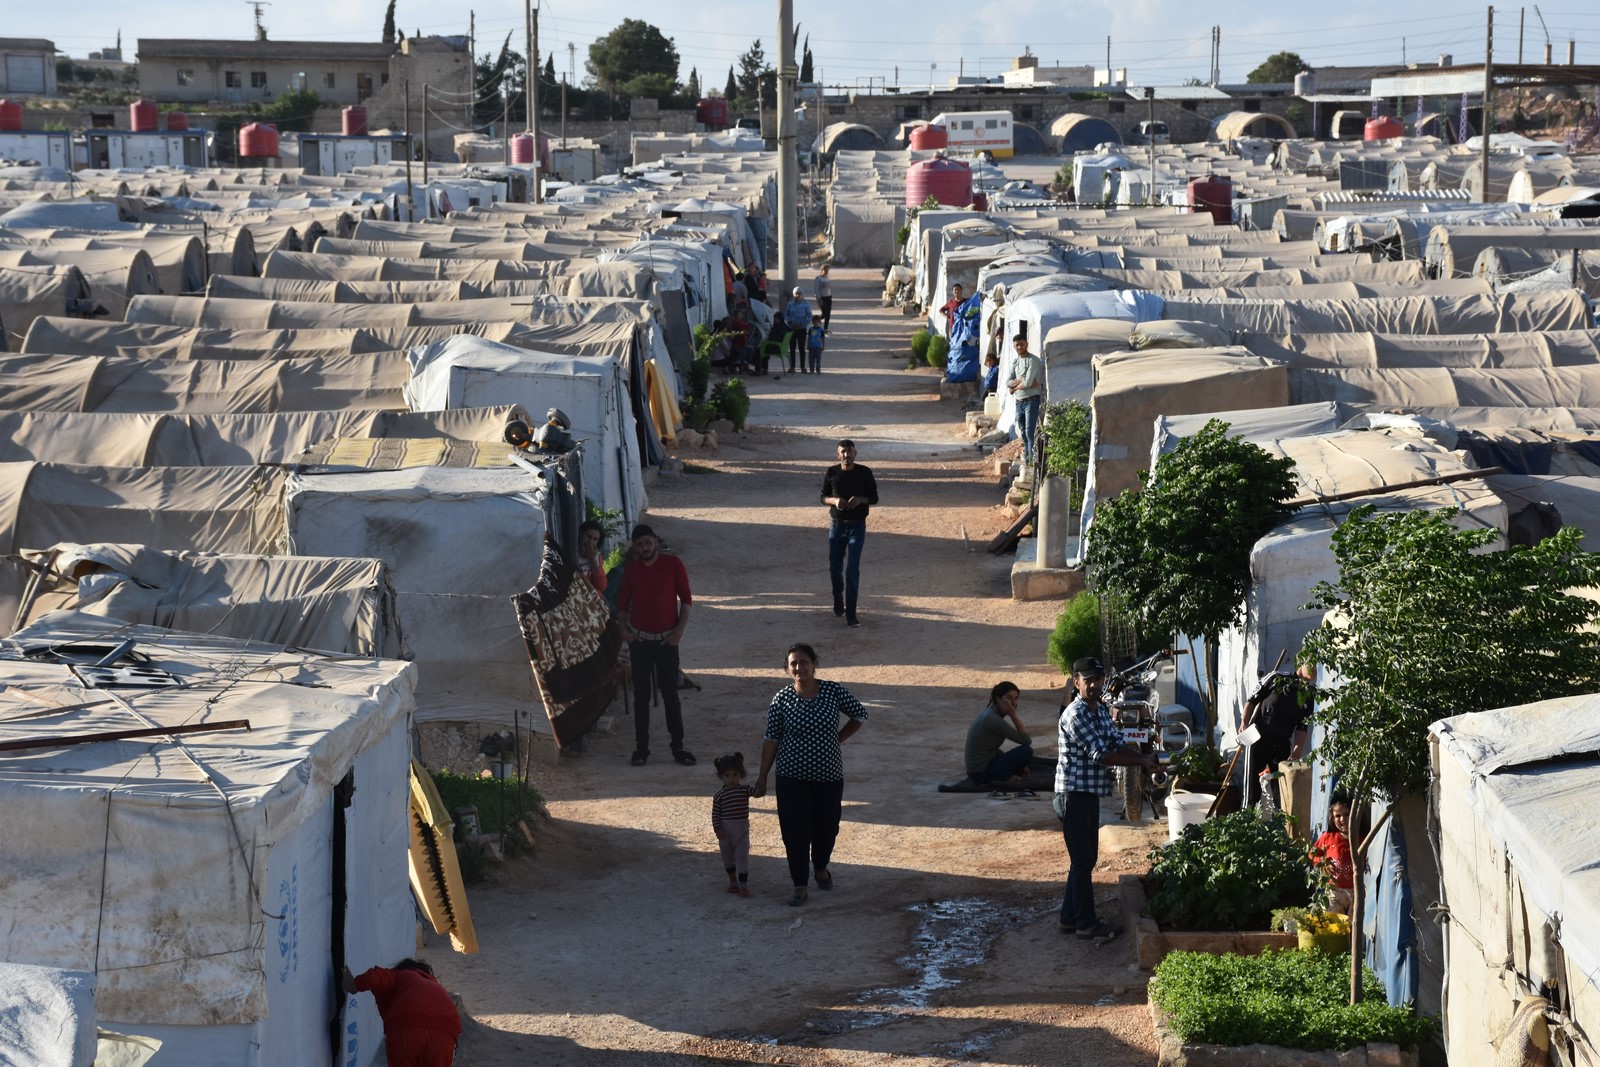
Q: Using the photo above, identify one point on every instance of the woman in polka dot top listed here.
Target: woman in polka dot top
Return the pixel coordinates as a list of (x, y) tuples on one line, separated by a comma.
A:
[(803, 738)]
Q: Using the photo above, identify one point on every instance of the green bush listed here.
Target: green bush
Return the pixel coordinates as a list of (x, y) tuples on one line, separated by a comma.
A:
[(1228, 873), (1290, 999), (1199, 763), (697, 414), (522, 801), (732, 401), (902, 235), (1066, 430), (938, 352), (919, 344), (1077, 632)]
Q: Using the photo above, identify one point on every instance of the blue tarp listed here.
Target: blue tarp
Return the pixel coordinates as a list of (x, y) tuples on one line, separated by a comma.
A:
[(962, 365)]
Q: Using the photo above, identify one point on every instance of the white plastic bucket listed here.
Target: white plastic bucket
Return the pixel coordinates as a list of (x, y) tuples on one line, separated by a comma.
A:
[(1186, 809), (991, 405)]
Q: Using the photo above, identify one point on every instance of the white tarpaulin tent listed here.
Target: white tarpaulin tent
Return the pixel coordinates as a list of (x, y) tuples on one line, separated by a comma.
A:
[(591, 390), (195, 878), (458, 544), (1519, 867)]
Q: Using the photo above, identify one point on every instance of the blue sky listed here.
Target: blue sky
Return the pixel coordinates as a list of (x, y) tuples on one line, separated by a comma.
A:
[(1160, 41)]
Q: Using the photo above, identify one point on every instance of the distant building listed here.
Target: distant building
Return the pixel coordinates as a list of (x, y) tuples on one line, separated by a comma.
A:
[(27, 65), (1026, 72)]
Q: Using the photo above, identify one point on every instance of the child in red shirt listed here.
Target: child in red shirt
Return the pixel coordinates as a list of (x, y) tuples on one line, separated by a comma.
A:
[(420, 1023), (1331, 852)]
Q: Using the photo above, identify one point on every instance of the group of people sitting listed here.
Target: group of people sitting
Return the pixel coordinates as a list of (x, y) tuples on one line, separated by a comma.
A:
[(797, 330)]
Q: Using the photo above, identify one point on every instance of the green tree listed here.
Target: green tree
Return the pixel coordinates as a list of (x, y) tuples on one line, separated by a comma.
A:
[(691, 88), (1278, 68), (634, 48), (730, 92), (1432, 624), (388, 24), (807, 70), (292, 110), (659, 87), (752, 64), (1178, 552), (507, 73)]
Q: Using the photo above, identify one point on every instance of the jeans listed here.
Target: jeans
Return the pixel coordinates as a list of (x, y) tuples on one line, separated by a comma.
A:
[(808, 820), (1005, 766), (797, 349), (844, 560), (1028, 425), (825, 304), (661, 660), (1080, 826), (814, 357)]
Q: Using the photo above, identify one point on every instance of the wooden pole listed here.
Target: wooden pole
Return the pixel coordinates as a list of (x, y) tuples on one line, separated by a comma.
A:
[(122, 735), (1488, 107), (411, 191)]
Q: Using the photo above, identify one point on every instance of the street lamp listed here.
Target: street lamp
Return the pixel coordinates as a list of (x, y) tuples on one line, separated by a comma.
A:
[(931, 68)]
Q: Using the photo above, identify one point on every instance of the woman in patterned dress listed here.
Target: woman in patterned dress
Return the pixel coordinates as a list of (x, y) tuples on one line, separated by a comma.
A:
[(803, 738)]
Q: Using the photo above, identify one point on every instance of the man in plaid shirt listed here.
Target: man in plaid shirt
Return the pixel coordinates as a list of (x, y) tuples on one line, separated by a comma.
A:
[(1089, 746)]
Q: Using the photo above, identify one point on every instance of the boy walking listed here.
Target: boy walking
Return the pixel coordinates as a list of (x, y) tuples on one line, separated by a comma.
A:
[(816, 340)]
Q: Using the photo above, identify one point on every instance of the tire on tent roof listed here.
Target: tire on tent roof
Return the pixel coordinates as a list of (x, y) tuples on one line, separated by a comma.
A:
[(1027, 141)]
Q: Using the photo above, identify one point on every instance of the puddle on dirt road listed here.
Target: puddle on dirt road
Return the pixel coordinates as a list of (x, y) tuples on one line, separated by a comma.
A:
[(950, 935)]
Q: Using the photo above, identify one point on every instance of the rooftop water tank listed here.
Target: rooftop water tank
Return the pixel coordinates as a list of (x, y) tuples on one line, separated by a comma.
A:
[(143, 116), (259, 140), (177, 121), (1213, 195), (1305, 82), (712, 112), (946, 180), (1383, 128), (10, 115), (929, 136), (353, 121), (522, 148)]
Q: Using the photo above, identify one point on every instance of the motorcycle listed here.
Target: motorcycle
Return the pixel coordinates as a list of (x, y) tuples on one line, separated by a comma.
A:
[(1135, 710)]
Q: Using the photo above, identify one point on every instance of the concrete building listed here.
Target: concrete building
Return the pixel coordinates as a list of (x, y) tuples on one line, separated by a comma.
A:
[(27, 66)]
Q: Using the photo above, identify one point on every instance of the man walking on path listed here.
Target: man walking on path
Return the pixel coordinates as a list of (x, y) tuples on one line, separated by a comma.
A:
[(653, 607), (797, 317), (1025, 386), (850, 491), (1089, 746), (824, 288)]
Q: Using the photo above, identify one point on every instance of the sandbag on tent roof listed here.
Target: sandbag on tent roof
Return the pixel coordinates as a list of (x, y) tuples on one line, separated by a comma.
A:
[(321, 266), (116, 383), (204, 509), (196, 879), (117, 439), (1505, 313), (592, 390), (52, 335), (458, 543), (1517, 850), (332, 605)]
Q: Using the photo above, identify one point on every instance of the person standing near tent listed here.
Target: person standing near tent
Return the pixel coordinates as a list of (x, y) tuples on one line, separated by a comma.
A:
[(797, 317), (1281, 709), (653, 607), (948, 308), (824, 288), (1026, 388), (850, 491), (421, 1025)]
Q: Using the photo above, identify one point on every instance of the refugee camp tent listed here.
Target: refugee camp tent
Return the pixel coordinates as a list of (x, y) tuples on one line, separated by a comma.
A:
[(1075, 132), (861, 233), (211, 885), (1520, 879)]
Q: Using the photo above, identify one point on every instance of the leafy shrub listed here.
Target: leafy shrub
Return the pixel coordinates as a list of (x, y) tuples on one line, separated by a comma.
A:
[(615, 557), (610, 519), (902, 235), (938, 353), (522, 801), (697, 414), (1199, 763), (1290, 999), (1228, 873), (732, 401), (919, 344), (1066, 430), (1077, 632)]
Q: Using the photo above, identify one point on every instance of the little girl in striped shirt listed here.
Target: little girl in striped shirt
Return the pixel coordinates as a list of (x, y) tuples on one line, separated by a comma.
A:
[(730, 819)]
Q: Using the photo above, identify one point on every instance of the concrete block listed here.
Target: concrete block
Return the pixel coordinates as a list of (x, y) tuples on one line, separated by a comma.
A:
[(1030, 581)]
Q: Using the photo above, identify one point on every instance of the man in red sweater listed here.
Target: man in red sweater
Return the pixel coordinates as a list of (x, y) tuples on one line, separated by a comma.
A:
[(653, 606), (420, 1023)]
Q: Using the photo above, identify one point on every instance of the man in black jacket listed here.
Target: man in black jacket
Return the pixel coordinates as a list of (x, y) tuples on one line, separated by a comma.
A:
[(850, 492)]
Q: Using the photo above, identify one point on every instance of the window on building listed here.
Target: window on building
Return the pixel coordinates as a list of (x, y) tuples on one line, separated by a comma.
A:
[(1028, 112), (910, 111), (966, 124), (1116, 107), (1189, 105), (1251, 105), (328, 80), (363, 86), (231, 79), (383, 79), (991, 124), (258, 79), (185, 77)]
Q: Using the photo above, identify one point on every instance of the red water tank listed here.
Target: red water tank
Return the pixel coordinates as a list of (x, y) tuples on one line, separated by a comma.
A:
[(177, 121), (946, 180), (1213, 195), (353, 121), (259, 140), (1383, 128), (10, 115), (143, 116), (522, 148), (929, 136), (980, 201), (712, 111)]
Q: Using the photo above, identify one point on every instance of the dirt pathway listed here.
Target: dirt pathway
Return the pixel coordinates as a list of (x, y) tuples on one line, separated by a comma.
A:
[(618, 945)]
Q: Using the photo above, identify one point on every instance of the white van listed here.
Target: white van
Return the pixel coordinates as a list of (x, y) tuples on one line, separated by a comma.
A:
[(978, 131)]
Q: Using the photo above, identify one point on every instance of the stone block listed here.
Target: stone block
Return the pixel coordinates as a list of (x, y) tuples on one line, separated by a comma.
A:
[(1030, 581)]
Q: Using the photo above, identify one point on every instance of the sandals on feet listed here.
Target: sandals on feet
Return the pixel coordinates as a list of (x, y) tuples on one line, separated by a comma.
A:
[(1100, 933), (799, 897), (684, 757), (999, 794)]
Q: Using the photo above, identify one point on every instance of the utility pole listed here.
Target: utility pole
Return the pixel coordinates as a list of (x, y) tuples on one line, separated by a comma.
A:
[(563, 112), (1488, 97), (1150, 98), (1522, 24), (424, 135), (788, 165), (411, 190), (472, 46), (1109, 78), (533, 99)]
